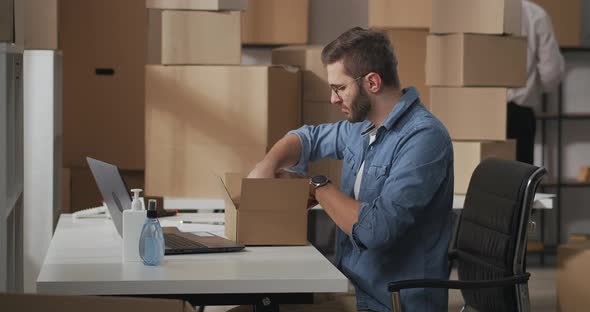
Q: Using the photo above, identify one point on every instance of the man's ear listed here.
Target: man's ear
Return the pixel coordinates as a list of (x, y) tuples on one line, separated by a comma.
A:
[(374, 82)]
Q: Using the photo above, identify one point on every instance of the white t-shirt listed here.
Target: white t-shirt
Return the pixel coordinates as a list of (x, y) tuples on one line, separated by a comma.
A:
[(359, 176), (545, 64)]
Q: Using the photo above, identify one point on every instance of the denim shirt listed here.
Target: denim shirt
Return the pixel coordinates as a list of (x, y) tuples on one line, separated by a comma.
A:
[(404, 222)]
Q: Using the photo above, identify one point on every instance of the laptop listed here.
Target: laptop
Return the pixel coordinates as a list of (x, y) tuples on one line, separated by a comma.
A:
[(117, 198)]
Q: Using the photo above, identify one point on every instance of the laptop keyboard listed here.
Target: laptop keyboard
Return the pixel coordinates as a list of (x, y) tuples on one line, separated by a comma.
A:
[(174, 241)]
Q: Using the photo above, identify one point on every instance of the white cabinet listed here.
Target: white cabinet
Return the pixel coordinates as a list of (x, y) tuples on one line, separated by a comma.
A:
[(42, 156)]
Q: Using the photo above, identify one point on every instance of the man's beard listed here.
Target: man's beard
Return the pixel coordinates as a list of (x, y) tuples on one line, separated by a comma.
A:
[(360, 106)]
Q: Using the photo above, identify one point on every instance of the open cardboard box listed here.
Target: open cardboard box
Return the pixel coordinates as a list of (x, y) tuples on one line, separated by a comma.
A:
[(265, 211)]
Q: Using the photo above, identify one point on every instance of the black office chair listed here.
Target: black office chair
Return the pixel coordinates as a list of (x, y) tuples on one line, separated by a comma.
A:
[(490, 240)]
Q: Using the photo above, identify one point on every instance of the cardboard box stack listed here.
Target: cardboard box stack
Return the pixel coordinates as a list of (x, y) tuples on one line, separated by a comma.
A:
[(103, 43), (406, 23), (206, 115), (474, 53)]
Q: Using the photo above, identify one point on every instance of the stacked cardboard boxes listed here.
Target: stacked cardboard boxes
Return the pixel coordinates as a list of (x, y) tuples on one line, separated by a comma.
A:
[(103, 43), (206, 115), (406, 23), (474, 53)]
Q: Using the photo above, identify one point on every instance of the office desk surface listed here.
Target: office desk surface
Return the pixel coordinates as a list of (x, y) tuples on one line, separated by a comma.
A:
[(84, 258)]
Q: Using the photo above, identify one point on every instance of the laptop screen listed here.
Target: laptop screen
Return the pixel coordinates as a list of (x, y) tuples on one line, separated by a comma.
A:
[(113, 190)]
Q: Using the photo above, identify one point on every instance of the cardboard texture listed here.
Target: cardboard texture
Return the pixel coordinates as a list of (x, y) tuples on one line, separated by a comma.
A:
[(82, 189), (309, 59), (468, 154), (275, 22), (41, 24), (194, 37), (201, 5), (226, 127), (471, 113), (573, 260), (410, 49), (54, 303), (7, 21), (400, 13), (566, 17), (104, 44), (190, 170), (476, 60), (477, 16), (266, 211)]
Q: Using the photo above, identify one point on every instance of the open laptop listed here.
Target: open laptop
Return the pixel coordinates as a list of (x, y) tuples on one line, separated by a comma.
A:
[(117, 198)]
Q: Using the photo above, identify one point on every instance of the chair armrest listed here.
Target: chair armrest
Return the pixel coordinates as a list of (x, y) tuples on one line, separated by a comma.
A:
[(474, 284)]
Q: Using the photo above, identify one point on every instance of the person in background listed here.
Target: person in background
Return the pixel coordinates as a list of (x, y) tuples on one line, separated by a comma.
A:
[(393, 210), (545, 70)]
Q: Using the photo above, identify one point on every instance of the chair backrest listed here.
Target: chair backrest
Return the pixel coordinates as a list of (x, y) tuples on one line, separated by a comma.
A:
[(490, 240)]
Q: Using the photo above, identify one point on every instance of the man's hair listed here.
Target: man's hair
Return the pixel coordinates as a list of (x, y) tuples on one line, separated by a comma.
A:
[(363, 51)]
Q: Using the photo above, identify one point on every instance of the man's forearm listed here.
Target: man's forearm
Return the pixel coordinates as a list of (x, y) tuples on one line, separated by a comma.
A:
[(285, 153)]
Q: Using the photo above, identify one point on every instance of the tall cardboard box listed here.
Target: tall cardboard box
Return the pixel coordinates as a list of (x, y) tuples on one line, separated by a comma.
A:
[(566, 17), (573, 260), (471, 113), (194, 37), (476, 60), (275, 22), (494, 17), (41, 24), (104, 46), (197, 128), (468, 154), (55, 303), (410, 49), (400, 13), (201, 5), (309, 59), (265, 211)]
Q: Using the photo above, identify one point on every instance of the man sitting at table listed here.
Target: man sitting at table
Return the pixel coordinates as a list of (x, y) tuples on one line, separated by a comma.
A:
[(393, 210)]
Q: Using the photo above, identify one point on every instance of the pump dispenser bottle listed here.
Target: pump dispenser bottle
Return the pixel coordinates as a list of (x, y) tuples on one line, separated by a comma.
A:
[(133, 220), (151, 242)]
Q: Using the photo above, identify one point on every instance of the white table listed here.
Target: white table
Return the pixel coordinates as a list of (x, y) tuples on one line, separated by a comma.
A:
[(84, 258)]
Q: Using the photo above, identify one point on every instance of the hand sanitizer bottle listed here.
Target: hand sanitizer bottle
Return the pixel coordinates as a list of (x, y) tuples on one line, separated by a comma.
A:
[(151, 242), (133, 220)]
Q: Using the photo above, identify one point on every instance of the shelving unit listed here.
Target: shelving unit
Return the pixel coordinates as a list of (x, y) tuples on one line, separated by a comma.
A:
[(556, 181)]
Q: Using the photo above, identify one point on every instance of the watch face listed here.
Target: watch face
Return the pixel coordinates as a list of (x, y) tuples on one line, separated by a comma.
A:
[(319, 180)]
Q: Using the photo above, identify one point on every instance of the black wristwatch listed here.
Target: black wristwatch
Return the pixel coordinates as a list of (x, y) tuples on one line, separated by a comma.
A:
[(319, 181)]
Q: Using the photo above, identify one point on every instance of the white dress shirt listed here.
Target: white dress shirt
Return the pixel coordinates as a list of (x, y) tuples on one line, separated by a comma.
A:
[(545, 64)]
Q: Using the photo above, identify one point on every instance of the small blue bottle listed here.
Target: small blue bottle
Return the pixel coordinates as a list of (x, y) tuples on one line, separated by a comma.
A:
[(151, 241)]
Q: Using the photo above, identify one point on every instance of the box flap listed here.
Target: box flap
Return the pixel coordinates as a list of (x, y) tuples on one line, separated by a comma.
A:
[(233, 186), (274, 194)]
